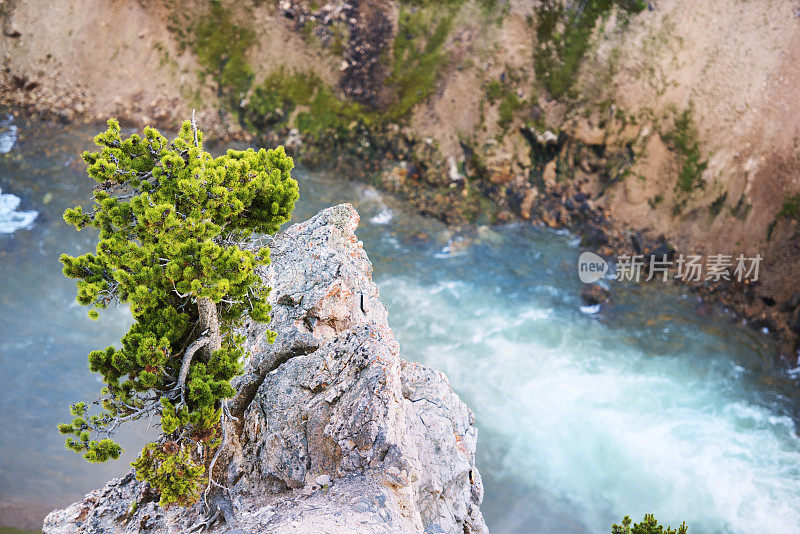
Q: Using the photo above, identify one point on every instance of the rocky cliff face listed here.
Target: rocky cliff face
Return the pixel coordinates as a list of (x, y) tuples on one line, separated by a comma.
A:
[(336, 432)]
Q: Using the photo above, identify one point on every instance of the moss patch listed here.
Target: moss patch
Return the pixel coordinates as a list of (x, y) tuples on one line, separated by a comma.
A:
[(221, 43), (318, 109), (12, 530), (504, 92), (791, 207), (508, 108), (655, 201), (220, 38), (564, 36)]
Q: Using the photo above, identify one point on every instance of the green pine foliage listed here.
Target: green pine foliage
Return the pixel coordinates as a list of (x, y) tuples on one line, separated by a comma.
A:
[(649, 525), (171, 469), (172, 223)]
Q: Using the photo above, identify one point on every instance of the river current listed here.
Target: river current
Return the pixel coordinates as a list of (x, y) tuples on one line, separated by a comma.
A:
[(652, 405)]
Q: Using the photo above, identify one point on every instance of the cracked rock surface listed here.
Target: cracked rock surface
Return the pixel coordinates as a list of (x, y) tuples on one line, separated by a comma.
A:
[(338, 434)]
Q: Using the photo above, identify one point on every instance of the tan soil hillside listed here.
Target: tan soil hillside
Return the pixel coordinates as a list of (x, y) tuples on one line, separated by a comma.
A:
[(738, 63), (735, 64)]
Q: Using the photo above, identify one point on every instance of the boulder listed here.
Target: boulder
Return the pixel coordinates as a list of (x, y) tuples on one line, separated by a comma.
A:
[(593, 294), (549, 174), (499, 164), (527, 204), (338, 434)]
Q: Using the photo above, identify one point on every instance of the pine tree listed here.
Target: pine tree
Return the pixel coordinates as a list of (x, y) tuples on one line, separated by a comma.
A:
[(174, 223)]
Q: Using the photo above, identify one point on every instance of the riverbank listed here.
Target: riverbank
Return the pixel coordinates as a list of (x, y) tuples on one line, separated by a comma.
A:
[(26, 517)]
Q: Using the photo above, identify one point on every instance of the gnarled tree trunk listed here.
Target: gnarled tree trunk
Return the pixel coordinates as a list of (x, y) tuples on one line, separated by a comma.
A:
[(209, 325)]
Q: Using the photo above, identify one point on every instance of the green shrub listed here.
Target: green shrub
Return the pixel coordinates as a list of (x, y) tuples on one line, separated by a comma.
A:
[(649, 525), (791, 207), (494, 91), (417, 54), (510, 105), (683, 139), (274, 100), (655, 201), (717, 205)]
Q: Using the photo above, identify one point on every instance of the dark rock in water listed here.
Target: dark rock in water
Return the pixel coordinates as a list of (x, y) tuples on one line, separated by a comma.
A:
[(594, 237), (338, 434), (795, 324), (704, 309), (593, 294), (791, 304), (419, 238)]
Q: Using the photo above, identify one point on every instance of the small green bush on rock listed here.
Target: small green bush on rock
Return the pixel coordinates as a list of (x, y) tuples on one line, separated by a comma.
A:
[(649, 525)]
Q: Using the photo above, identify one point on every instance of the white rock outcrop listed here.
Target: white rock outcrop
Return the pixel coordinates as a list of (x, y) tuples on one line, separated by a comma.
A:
[(338, 434)]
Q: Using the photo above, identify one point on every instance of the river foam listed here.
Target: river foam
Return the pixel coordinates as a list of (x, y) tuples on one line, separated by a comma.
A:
[(10, 218), (586, 427)]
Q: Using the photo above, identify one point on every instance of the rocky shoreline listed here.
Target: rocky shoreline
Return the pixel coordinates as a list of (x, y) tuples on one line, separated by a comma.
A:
[(414, 170), (334, 432)]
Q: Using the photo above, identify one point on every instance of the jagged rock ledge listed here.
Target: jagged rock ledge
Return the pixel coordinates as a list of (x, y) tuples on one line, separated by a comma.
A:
[(338, 434)]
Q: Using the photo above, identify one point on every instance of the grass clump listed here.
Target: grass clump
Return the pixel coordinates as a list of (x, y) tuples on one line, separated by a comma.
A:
[(275, 99), (716, 207), (655, 201), (508, 108), (564, 35), (742, 208), (502, 91), (791, 207), (417, 56), (789, 210), (494, 91), (683, 139), (221, 44)]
